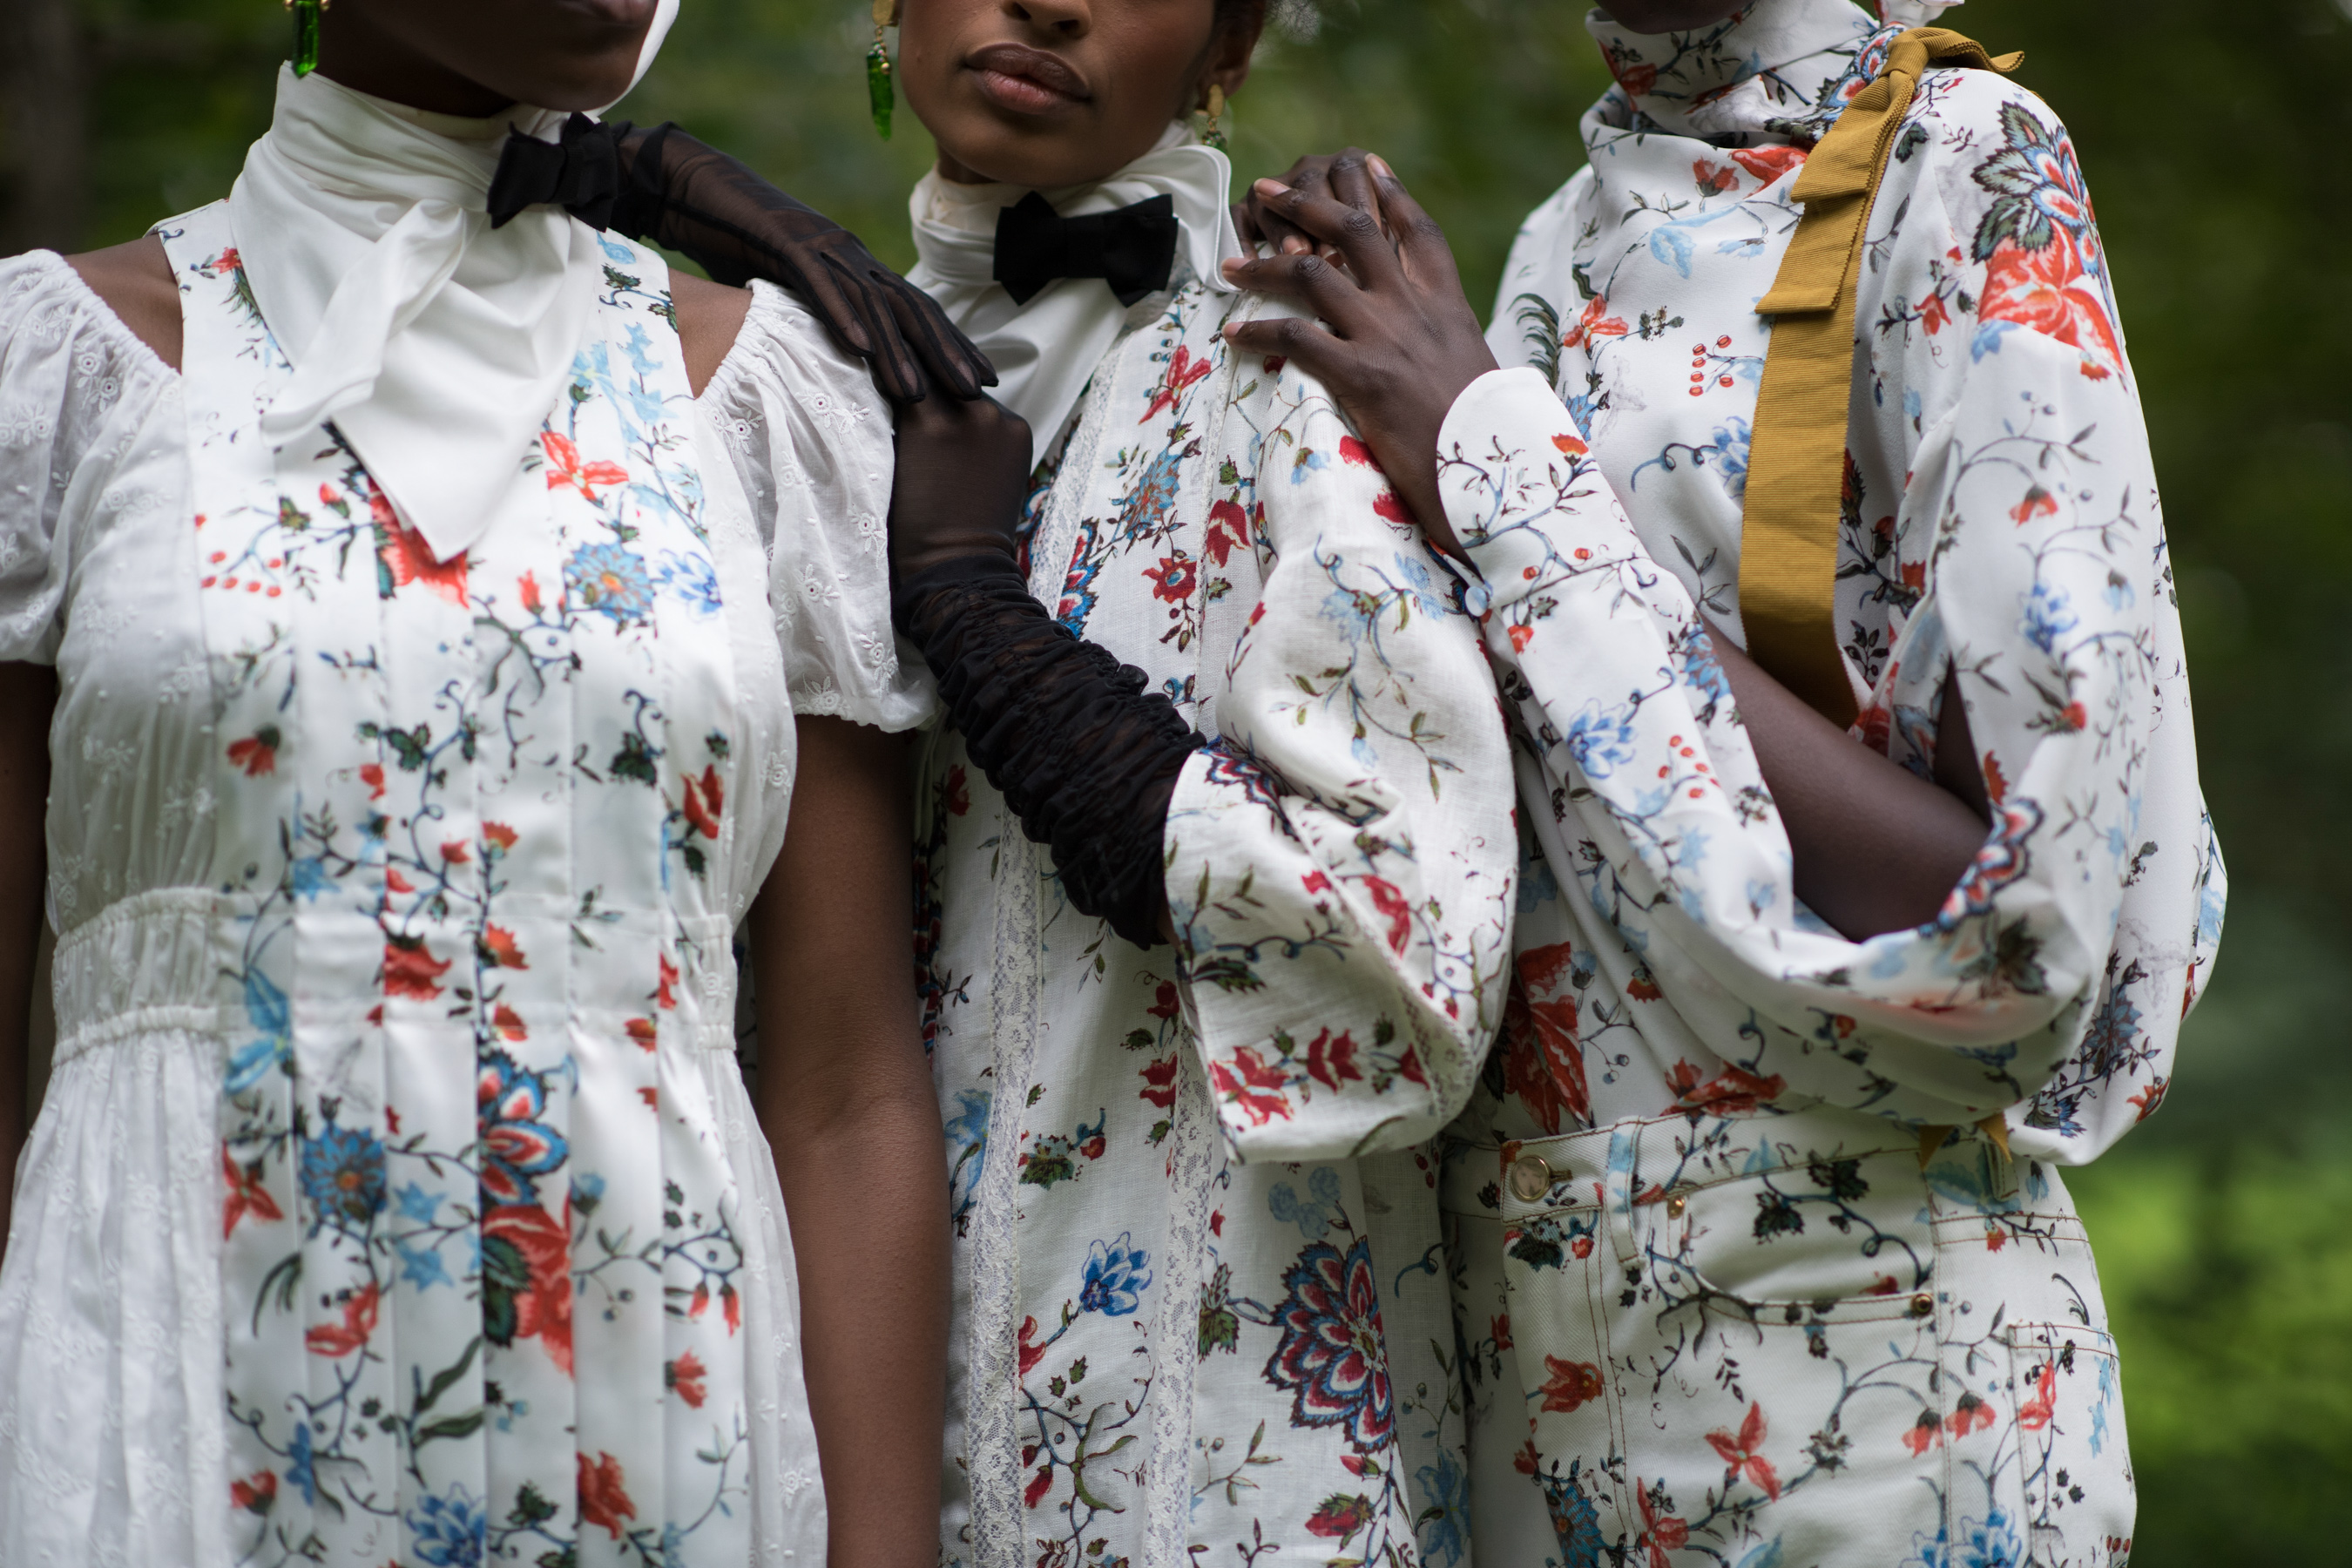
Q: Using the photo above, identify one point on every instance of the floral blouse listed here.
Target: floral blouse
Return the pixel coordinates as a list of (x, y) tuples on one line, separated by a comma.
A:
[(1189, 1319), (2000, 527)]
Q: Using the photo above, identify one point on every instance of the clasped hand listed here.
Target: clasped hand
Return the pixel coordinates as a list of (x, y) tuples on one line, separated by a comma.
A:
[(1396, 341)]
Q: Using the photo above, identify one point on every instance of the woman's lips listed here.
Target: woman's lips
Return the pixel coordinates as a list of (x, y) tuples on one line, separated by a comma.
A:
[(1025, 81)]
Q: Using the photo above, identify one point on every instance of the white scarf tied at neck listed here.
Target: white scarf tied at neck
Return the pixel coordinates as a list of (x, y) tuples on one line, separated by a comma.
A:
[(1045, 350), (436, 344)]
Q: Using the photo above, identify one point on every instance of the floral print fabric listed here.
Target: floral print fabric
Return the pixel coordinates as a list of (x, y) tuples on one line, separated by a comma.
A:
[(210, 936), (451, 1175), (2000, 527), (1191, 1319)]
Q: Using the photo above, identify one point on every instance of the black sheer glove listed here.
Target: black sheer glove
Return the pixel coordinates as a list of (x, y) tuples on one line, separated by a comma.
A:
[(1084, 756), (678, 193)]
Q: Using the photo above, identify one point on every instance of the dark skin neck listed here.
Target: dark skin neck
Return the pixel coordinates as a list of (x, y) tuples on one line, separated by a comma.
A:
[(354, 51)]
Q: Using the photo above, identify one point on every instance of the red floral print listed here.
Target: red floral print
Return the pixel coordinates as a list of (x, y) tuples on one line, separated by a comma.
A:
[(565, 469), (334, 1340), (2048, 290), (411, 970), (256, 756), (246, 1195), (1543, 1064), (603, 1496), (1570, 1384), (409, 559), (1743, 1452), (543, 1310), (1184, 370), (1253, 1085), (684, 1377)]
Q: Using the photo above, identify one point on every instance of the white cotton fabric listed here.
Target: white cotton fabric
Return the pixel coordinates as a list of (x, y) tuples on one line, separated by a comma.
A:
[(1046, 350), (111, 1435), (435, 342)]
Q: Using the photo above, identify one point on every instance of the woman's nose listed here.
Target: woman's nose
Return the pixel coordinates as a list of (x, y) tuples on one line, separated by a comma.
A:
[(1067, 19)]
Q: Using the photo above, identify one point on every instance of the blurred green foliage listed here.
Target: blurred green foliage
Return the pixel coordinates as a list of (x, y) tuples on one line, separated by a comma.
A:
[(2214, 137)]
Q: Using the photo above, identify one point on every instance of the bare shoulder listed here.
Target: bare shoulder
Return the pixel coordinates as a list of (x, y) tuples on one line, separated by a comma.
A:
[(135, 280), (709, 315)]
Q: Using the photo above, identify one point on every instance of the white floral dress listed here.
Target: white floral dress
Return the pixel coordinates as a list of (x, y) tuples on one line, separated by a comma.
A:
[(397, 1196), (1739, 1279), (1190, 1322)]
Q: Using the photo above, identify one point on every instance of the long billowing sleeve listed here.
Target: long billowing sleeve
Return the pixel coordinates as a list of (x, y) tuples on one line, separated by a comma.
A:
[(1340, 860), (1999, 527), (2050, 592)]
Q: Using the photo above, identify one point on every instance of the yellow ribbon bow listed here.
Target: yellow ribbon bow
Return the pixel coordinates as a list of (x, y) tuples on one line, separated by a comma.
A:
[(1796, 467)]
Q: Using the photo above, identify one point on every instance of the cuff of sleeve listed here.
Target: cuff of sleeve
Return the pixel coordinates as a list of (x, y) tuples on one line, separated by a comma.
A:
[(1516, 479), (1314, 1046)]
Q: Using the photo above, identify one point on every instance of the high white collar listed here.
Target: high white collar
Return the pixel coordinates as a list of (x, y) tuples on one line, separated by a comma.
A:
[(1045, 350), (1772, 60), (435, 343)]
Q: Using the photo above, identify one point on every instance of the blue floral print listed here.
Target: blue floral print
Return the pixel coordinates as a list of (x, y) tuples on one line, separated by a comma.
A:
[(1117, 1274)]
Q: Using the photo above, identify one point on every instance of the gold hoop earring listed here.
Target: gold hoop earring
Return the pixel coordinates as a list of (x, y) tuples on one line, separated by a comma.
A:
[(1212, 114), (879, 96), (306, 34)]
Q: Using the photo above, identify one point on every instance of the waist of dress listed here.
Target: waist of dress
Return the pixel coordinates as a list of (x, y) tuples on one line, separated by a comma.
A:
[(153, 963)]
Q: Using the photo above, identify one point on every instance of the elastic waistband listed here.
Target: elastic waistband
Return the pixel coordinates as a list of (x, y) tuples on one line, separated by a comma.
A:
[(141, 966)]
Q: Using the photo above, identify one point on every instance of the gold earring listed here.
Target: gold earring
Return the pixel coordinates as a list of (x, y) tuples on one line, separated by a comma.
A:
[(878, 93), (1213, 112)]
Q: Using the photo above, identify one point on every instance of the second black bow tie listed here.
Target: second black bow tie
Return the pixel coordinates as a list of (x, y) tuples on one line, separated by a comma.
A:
[(1132, 249), (580, 174)]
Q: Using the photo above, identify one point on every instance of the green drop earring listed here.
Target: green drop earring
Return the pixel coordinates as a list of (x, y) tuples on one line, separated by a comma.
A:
[(878, 93), (306, 34), (1213, 116)]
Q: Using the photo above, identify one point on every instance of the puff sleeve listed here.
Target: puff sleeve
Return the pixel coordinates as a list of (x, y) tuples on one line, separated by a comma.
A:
[(810, 438), (70, 374), (1341, 858)]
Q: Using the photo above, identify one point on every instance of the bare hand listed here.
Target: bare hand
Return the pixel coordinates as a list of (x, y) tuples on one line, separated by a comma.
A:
[(1344, 176), (1402, 342)]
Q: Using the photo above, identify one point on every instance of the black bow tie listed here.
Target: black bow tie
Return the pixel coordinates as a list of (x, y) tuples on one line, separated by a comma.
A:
[(1132, 249), (580, 174)]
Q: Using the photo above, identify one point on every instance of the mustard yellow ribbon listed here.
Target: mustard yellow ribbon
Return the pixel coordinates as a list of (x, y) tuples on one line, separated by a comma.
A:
[(1796, 464)]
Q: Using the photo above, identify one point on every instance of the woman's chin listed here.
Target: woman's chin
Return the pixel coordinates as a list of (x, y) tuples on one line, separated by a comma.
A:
[(1025, 151)]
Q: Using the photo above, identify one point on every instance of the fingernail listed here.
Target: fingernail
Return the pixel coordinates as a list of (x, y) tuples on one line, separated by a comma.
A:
[(1380, 166), (1293, 245), (1230, 268), (1271, 188)]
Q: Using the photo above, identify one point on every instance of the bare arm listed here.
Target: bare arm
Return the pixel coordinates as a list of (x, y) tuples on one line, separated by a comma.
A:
[(135, 281), (709, 315), (27, 694), (1877, 847), (845, 1098)]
